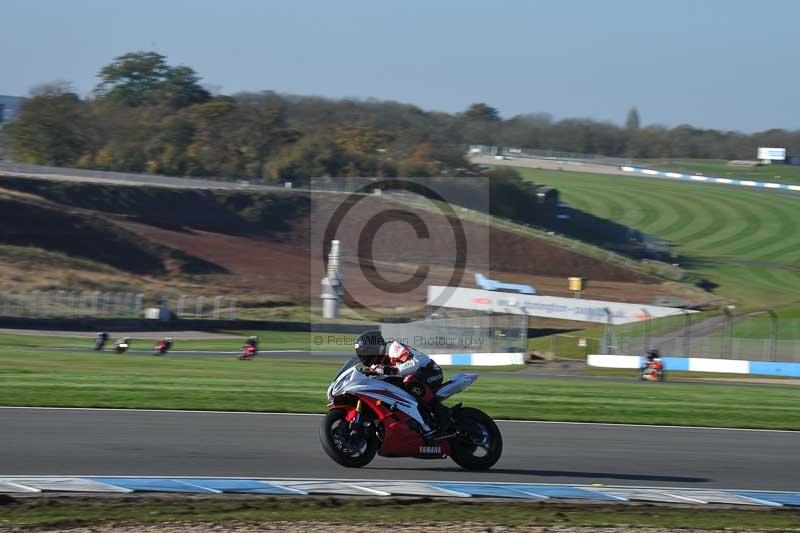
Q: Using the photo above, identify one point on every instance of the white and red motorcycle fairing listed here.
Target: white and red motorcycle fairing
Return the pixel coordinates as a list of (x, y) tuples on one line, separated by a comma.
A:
[(373, 414)]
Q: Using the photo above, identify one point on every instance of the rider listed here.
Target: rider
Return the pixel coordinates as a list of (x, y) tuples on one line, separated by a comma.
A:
[(250, 348), (422, 377), (653, 362), (100, 342), (165, 343)]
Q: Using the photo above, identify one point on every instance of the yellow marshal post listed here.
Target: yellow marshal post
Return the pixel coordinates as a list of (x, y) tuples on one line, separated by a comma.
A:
[(576, 286)]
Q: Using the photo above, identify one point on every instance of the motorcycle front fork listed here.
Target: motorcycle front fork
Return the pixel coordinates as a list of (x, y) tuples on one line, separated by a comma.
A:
[(357, 418)]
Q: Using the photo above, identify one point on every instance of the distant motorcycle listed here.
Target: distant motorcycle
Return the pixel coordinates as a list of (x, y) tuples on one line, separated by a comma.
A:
[(653, 369), (122, 345), (163, 346), (250, 349), (100, 341)]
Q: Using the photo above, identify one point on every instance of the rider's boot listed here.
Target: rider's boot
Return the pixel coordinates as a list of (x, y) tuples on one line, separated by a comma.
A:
[(439, 420)]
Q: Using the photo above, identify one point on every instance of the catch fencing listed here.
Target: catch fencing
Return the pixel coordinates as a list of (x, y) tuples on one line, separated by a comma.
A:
[(101, 304), (762, 336), (467, 334)]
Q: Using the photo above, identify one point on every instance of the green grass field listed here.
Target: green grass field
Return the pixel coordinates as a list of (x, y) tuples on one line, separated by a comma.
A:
[(746, 241), (31, 377), (776, 173)]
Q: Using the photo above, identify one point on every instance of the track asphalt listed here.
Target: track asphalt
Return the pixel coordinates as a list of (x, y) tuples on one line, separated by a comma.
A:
[(82, 442)]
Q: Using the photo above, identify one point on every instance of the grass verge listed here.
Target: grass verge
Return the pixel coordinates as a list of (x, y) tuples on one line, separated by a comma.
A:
[(79, 511), (37, 378)]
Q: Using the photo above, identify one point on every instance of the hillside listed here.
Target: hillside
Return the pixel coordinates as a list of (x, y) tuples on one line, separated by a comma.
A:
[(260, 246)]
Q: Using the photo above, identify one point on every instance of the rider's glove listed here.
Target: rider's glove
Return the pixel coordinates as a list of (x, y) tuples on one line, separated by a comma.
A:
[(384, 370)]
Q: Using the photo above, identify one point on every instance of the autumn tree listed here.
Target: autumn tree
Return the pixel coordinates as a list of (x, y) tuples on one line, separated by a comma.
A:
[(50, 127)]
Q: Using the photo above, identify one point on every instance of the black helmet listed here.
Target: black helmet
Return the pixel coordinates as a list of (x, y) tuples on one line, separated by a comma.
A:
[(370, 347)]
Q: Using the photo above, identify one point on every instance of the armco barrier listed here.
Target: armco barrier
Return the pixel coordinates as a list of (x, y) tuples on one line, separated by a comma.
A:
[(699, 364), (209, 486), (479, 359), (709, 179)]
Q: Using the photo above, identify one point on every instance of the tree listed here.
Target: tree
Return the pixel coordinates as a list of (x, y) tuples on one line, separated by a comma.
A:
[(632, 122), (181, 88), (144, 78), (312, 156), (482, 112), (50, 127), (133, 79)]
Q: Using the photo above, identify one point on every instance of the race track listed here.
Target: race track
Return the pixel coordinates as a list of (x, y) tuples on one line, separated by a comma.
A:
[(169, 443)]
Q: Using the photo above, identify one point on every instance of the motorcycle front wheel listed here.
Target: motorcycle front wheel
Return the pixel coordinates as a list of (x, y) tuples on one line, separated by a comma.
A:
[(350, 447), (478, 444)]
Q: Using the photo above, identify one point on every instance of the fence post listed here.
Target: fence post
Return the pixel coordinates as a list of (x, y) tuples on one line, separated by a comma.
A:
[(35, 304), (138, 304), (71, 309), (116, 303), (646, 326), (217, 306), (773, 346), (61, 303), (7, 303), (728, 340), (608, 335), (687, 334)]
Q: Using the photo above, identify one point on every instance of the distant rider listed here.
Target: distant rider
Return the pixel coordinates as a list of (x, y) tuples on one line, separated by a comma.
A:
[(101, 340), (250, 348), (421, 376), (164, 345), (653, 363)]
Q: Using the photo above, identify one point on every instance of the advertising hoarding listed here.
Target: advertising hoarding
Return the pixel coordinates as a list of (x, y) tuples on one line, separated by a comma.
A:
[(772, 154)]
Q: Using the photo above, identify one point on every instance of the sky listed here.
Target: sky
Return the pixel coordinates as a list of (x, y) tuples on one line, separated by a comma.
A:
[(726, 64)]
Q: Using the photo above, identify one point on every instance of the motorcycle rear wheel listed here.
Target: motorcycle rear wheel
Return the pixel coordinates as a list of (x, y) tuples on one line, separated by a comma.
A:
[(479, 444), (335, 437)]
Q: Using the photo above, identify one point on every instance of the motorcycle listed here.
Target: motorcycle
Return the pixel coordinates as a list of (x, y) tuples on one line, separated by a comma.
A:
[(250, 349), (653, 370), (162, 347), (368, 415), (122, 345)]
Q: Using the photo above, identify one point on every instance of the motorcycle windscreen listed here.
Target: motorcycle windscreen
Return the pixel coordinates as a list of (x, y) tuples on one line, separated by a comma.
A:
[(458, 383), (350, 363)]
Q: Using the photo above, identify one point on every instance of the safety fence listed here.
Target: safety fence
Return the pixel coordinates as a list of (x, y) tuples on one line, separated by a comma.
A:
[(466, 334), (101, 304), (763, 336)]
